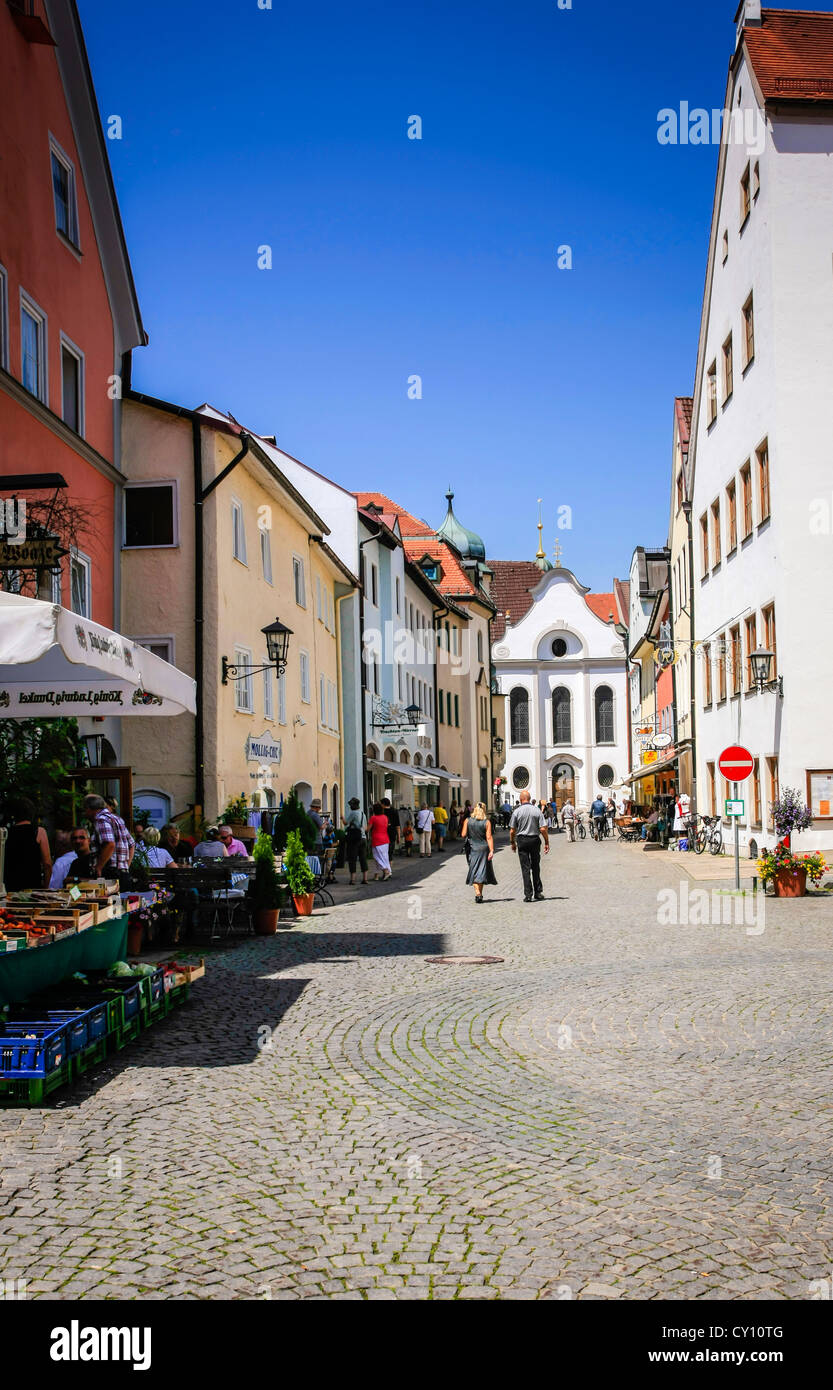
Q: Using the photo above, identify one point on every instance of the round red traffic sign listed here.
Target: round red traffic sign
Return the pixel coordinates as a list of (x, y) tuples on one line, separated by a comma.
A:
[(736, 763)]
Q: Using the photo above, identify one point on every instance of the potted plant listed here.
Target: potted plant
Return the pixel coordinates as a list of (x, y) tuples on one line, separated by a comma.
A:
[(791, 814), (299, 875), (292, 816), (236, 812), (788, 872), (267, 894)]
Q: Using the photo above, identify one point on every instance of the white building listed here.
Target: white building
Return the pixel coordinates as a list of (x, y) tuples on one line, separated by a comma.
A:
[(561, 665), (760, 448), (399, 668)]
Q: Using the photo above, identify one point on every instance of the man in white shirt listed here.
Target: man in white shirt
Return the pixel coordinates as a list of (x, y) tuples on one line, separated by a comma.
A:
[(568, 816), (425, 824), (63, 866)]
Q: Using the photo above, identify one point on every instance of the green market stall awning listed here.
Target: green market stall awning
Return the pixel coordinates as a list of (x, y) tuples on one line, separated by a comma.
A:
[(53, 662), (25, 972)]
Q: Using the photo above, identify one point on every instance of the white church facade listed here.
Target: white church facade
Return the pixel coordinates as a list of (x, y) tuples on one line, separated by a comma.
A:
[(559, 662)]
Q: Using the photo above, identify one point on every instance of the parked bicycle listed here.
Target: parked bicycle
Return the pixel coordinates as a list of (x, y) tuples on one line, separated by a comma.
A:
[(708, 833)]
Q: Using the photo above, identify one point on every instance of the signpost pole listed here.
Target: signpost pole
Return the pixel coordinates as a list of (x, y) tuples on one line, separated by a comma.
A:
[(737, 841)]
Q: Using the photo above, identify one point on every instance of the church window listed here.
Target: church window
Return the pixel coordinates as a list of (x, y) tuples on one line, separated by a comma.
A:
[(520, 778), (562, 722), (604, 714), (519, 715), (559, 647)]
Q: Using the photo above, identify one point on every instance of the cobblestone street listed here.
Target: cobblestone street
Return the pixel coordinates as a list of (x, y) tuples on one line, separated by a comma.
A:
[(621, 1109)]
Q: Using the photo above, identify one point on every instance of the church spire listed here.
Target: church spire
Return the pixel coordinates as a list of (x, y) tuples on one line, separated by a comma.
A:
[(540, 558)]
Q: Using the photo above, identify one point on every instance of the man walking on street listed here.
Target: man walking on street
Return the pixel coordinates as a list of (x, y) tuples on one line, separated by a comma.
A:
[(526, 829), (425, 824), (568, 816)]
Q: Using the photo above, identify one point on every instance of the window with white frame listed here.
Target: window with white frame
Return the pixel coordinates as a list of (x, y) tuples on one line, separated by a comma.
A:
[(268, 692), (322, 699), (332, 706), (238, 532), (331, 613), (282, 697), (33, 372), (4, 318), (80, 584), (319, 606), (150, 515), (72, 385), (244, 695), (300, 583), (56, 584), (304, 664), (266, 555), (64, 192)]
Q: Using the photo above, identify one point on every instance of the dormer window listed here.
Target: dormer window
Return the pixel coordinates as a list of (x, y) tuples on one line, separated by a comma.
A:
[(431, 568)]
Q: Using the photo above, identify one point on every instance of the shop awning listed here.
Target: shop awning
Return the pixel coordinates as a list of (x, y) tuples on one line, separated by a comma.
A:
[(53, 663), (420, 776), (651, 768)]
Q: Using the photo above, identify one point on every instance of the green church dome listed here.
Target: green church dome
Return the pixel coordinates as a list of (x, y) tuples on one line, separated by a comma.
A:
[(467, 543)]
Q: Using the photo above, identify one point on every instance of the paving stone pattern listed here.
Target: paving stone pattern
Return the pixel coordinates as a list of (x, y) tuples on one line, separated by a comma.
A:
[(621, 1109)]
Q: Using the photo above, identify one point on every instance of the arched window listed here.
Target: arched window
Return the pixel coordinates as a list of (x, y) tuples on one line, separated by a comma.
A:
[(562, 721), (604, 714), (519, 715)]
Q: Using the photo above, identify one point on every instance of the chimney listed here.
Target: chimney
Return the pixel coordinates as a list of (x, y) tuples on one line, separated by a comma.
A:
[(749, 12)]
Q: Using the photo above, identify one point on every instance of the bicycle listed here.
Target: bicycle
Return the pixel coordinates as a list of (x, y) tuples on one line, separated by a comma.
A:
[(710, 833), (580, 829)]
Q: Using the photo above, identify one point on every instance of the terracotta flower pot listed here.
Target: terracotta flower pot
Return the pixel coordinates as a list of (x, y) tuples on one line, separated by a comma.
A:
[(266, 920), (791, 885), (303, 904), (135, 932)]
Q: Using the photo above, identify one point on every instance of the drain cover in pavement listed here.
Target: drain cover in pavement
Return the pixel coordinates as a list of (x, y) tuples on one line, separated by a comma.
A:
[(464, 960)]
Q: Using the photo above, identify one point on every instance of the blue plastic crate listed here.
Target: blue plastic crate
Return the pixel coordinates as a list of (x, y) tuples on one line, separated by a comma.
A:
[(95, 1017), (75, 1022), (33, 1049)]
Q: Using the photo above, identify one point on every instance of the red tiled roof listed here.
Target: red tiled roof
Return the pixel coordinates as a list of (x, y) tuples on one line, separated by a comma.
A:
[(603, 605), (409, 525), (454, 580), (512, 583), (791, 53), (683, 406)]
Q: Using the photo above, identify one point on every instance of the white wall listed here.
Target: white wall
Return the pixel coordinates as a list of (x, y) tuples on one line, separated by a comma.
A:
[(783, 255)]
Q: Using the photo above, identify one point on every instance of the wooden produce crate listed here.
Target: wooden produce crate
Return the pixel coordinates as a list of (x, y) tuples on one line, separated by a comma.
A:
[(186, 974)]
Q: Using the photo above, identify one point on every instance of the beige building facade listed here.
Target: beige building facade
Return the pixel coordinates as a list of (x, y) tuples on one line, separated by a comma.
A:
[(224, 544)]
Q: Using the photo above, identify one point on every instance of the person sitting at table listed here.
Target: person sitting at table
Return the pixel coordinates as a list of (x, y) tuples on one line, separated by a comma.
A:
[(156, 856), (232, 846), (172, 841), (210, 846), (76, 863)]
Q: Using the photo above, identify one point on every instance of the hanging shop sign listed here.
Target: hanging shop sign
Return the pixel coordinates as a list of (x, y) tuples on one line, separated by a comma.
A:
[(265, 749), (32, 553)]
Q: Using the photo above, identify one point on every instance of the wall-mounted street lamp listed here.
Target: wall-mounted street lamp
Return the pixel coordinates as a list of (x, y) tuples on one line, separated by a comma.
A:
[(761, 661), (277, 649), (497, 745)]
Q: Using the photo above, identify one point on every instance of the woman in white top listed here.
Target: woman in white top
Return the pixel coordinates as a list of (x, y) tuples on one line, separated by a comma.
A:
[(157, 858)]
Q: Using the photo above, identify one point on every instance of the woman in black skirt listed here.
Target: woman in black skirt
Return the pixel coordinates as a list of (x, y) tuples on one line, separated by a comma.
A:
[(480, 849)]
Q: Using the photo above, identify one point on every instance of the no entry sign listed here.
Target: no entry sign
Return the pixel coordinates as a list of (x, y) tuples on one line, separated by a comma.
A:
[(736, 763)]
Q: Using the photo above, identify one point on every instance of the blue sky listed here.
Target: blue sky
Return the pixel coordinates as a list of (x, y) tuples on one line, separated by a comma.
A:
[(391, 257)]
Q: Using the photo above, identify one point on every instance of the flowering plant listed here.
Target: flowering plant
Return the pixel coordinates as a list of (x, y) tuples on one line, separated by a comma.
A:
[(790, 813), (782, 860)]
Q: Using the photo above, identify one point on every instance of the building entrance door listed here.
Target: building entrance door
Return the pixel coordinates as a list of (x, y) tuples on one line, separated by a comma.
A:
[(563, 784)]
